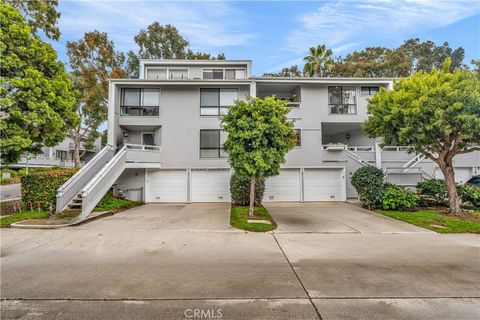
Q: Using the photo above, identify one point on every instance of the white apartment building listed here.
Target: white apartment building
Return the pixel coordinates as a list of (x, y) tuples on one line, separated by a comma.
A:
[(165, 141)]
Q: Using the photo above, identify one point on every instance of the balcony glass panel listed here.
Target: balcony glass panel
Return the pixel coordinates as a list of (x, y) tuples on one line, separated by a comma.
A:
[(178, 74), (154, 73)]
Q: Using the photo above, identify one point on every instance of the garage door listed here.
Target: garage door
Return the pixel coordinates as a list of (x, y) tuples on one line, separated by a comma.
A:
[(166, 186), (461, 174), (284, 187), (324, 185), (210, 185)]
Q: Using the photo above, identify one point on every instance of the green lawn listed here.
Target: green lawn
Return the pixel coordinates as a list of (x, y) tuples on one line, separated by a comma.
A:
[(427, 218), (110, 203), (23, 215), (239, 217)]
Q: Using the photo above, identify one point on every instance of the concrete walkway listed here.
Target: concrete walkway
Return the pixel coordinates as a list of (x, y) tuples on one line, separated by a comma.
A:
[(176, 261)]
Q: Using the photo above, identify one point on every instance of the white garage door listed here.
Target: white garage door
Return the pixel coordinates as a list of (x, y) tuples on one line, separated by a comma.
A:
[(284, 187), (324, 185), (166, 186), (210, 185), (461, 174)]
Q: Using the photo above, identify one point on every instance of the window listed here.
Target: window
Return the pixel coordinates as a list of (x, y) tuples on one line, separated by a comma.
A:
[(213, 74), (342, 100), (139, 102), (178, 74), (156, 73), (234, 74), (297, 138), (211, 141), (60, 154), (369, 91), (214, 102)]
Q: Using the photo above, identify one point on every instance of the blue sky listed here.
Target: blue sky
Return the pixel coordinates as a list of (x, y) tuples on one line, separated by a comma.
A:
[(278, 34)]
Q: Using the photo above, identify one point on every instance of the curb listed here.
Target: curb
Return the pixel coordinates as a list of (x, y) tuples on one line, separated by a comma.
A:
[(20, 225)]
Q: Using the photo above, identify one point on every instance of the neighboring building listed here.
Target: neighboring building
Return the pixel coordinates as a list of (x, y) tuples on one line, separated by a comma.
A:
[(166, 143), (60, 155)]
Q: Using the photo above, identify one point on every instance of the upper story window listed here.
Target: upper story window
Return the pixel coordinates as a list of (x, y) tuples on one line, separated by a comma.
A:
[(297, 138), (221, 74), (211, 141), (231, 74), (212, 73), (157, 73), (139, 102), (214, 102), (342, 100), (369, 91), (178, 74)]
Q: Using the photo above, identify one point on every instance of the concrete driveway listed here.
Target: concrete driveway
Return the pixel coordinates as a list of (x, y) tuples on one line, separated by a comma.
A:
[(177, 261), (333, 217)]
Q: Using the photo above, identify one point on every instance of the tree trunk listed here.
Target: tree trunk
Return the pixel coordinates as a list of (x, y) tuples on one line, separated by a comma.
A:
[(453, 198), (252, 196), (76, 151)]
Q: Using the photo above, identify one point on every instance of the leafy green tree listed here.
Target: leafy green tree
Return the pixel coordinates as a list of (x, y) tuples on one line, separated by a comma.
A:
[(319, 62), (292, 71), (259, 137), (94, 61), (412, 55), (36, 95), (438, 113), (41, 14), (425, 56), (162, 42), (375, 62)]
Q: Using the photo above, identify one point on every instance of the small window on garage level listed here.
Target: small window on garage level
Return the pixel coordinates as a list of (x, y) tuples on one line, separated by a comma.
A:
[(297, 138), (211, 141)]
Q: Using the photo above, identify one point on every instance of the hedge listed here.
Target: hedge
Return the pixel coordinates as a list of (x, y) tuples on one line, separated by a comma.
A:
[(40, 188), (399, 198), (240, 190), (368, 181)]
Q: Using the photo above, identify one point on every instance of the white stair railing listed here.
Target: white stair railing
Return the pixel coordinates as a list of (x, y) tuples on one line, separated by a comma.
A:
[(413, 162), (357, 158), (75, 184), (94, 191)]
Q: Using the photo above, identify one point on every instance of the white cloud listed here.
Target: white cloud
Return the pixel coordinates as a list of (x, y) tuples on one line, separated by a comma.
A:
[(206, 25), (343, 23)]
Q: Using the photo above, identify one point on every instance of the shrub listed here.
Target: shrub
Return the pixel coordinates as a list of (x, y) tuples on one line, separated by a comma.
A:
[(240, 190), (41, 187), (433, 191), (399, 198), (469, 195), (368, 181), (5, 180)]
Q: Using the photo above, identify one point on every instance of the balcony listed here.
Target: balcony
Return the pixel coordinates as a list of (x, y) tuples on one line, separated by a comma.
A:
[(71, 146), (44, 162), (143, 156), (342, 108), (139, 111)]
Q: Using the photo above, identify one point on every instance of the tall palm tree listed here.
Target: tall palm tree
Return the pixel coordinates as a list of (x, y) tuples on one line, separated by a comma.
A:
[(318, 62)]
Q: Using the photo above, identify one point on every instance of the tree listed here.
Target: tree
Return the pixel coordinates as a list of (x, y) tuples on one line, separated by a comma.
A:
[(412, 55), (94, 61), (259, 137), (425, 56), (319, 62), (36, 94), (162, 42), (41, 14), (374, 62), (292, 71), (438, 113)]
